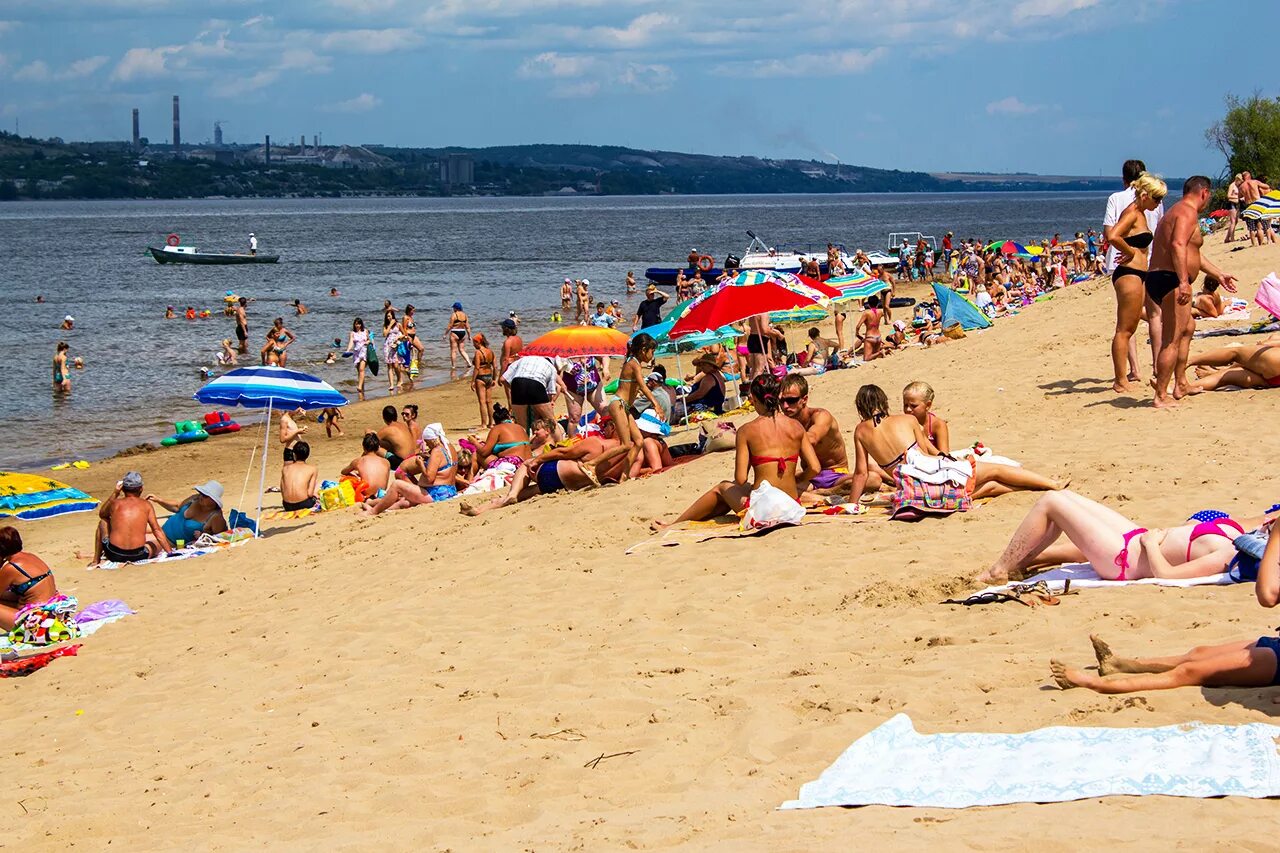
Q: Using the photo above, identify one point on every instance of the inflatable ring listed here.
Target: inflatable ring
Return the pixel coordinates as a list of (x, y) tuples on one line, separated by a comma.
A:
[(706, 262), (172, 240)]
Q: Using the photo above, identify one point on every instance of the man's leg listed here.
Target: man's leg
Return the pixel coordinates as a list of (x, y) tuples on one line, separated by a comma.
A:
[(1242, 667), (1186, 326), (1167, 354)]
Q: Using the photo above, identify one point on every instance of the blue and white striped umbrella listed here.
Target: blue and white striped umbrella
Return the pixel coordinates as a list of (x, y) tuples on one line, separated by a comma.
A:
[(1267, 207), (270, 387)]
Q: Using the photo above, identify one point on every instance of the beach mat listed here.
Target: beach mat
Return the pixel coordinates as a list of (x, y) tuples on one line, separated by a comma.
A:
[(726, 527), (894, 765), (208, 545), (30, 497), (1082, 575)]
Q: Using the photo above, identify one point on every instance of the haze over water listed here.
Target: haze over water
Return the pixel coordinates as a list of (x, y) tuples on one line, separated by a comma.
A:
[(88, 259)]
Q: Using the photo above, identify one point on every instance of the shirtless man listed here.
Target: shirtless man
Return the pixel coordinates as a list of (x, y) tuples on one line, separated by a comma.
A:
[(371, 466), (759, 337), (834, 476), (1175, 261), (511, 346), (584, 299), (126, 520), (1252, 189), (242, 325), (566, 295), (290, 432), (394, 438), (299, 481)]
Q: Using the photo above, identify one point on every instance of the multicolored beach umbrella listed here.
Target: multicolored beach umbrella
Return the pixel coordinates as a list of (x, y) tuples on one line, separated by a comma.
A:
[(1008, 247), (749, 293), (270, 387), (578, 342), (30, 497), (1267, 207), (857, 285)]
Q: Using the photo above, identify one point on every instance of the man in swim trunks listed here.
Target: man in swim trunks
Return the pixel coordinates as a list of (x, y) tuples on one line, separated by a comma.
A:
[(834, 476), (242, 325), (299, 481), (395, 438), (511, 346), (371, 466), (126, 521), (1174, 262), (1252, 189)]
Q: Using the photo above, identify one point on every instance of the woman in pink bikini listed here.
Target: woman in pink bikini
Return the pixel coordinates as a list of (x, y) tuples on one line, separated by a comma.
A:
[(1117, 548)]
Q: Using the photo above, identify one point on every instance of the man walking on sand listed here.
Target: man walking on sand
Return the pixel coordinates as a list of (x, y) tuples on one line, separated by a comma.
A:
[(1175, 262)]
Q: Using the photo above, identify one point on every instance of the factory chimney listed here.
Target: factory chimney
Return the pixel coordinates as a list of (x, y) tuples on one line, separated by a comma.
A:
[(177, 128), (217, 134), (136, 136), (267, 157)]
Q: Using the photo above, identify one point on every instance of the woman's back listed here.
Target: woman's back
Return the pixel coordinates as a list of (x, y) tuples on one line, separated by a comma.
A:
[(887, 441), (772, 443), (508, 439)]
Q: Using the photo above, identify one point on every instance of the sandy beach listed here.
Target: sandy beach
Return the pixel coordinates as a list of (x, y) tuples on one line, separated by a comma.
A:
[(449, 682)]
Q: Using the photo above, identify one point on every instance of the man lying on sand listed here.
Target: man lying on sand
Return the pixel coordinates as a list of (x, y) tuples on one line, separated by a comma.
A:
[(554, 471), (1242, 663)]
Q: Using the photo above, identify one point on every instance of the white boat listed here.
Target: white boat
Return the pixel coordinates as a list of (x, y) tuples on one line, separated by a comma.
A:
[(761, 256)]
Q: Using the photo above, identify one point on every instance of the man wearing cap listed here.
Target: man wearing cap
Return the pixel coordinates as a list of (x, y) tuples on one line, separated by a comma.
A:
[(649, 311), (68, 323), (511, 346), (126, 520)]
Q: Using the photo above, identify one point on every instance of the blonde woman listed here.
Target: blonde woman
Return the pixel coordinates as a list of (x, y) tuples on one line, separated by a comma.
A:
[(1131, 238)]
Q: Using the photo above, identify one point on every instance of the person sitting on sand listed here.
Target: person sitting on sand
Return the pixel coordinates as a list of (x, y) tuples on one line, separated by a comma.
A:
[(557, 470), (371, 467), (24, 578), (1249, 366), (299, 482), (706, 390), (1208, 302), (437, 483), (772, 448), (895, 442), (1117, 548), (833, 476), (126, 521), (917, 401), (198, 514), (395, 437), (1242, 663)]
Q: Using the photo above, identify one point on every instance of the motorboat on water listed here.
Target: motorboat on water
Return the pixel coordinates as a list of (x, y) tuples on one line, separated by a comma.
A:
[(174, 254), (758, 256)]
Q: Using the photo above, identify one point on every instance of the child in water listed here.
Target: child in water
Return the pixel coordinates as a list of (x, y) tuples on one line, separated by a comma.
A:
[(917, 401)]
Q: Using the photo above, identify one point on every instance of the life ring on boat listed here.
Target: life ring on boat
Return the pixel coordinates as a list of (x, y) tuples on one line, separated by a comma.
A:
[(172, 240), (706, 262)]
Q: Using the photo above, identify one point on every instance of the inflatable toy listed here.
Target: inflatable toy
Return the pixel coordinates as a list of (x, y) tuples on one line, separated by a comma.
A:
[(185, 432)]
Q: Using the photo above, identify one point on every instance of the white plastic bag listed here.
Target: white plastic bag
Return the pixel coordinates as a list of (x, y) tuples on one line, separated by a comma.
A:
[(770, 506)]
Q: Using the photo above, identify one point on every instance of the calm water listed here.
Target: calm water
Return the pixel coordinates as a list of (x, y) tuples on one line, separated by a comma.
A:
[(494, 255)]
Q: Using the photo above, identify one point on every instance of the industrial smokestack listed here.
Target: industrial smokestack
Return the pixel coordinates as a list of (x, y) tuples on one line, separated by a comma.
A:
[(177, 127), (267, 148), (137, 138)]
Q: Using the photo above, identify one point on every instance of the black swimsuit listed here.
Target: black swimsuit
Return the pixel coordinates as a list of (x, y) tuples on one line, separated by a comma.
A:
[(1140, 240), (21, 589)]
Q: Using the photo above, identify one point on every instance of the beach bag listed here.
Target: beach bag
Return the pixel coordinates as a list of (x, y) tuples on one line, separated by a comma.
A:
[(718, 436), (768, 507), (1268, 295), (371, 357), (955, 331)]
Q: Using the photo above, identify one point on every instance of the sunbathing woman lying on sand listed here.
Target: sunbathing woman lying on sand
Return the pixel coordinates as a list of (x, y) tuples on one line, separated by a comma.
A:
[(771, 448), (1243, 663), (898, 441), (556, 470), (1250, 366), (1117, 548)]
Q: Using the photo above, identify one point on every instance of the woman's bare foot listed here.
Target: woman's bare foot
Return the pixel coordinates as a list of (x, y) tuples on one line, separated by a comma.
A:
[(658, 525), (1106, 657), (1121, 387), (992, 576), (466, 508), (1068, 677), (1186, 389)]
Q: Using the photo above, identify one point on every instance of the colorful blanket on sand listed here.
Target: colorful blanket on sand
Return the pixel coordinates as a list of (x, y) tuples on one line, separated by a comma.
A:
[(206, 544), (894, 765), (21, 667), (1082, 575)]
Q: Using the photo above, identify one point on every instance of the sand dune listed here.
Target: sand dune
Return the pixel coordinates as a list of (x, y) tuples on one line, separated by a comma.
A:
[(451, 682)]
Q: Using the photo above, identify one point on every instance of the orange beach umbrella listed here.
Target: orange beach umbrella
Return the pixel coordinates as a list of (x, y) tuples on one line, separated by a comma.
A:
[(578, 342)]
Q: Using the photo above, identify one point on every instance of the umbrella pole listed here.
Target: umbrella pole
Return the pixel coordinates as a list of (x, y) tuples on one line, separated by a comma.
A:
[(262, 478), (683, 394), (248, 472)]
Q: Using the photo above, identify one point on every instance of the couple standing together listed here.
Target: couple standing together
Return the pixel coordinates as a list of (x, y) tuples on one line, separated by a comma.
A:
[(1154, 257)]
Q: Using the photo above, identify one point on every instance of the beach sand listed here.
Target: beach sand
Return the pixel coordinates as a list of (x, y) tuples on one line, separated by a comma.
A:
[(429, 678)]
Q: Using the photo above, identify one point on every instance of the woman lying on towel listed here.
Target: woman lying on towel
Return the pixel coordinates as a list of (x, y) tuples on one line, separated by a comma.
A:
[(928, 481), (771, 448), (1117, 548), (560, 469), (24, 578), (1243, 663), (1251, 366)]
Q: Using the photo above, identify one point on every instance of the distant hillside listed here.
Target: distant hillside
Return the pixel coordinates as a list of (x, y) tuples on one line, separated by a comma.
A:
[(33, 168)]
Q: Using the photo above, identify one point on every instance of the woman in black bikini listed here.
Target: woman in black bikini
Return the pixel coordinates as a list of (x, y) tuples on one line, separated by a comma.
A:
[(24, 578), (1131, 238), (483, 378), (772, 448), (457, 332)]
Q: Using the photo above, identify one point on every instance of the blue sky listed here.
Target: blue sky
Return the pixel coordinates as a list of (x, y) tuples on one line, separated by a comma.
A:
[(1048, 86)]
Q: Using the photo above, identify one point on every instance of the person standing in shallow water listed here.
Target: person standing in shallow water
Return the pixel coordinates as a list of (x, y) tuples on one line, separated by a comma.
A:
[(61, 369)]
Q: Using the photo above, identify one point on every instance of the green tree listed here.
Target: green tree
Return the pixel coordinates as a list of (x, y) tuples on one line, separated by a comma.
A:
[(1249, 136)]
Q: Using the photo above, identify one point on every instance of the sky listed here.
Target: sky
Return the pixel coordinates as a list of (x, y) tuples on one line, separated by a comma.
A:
[(1045, 86)]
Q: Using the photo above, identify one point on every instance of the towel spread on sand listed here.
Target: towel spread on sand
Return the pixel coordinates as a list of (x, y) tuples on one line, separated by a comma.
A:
[(1082, 575), (894, 765), (86, 623), (206, 544)]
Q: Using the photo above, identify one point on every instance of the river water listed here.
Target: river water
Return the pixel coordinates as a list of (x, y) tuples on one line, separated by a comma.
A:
[(88, 260)]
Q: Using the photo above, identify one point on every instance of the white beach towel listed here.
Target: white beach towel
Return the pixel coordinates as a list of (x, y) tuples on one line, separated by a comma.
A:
[(1082, 575), (894, 765), (934, 470)]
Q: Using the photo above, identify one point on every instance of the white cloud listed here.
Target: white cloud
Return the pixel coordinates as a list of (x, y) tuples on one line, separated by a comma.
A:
[(642, 77), (34, 72), (371, 41), (364, 7), (257, 20), (236, 87), (1012, 106), (83, 67), (362, 103), (833, 64), (580, 89), (6, 26), (557, 65), (140, 63), (1030, 9), (639, 32)]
